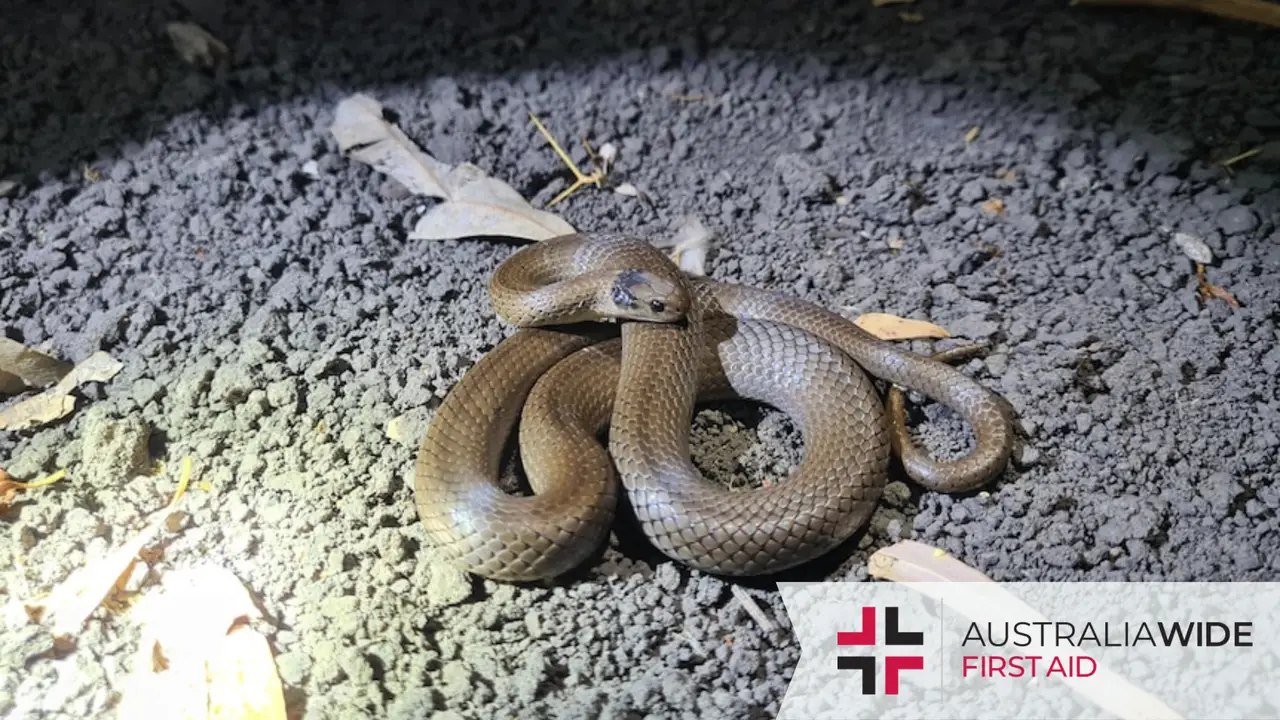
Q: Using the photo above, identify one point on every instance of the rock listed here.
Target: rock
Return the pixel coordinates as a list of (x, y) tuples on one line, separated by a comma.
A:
[(1262, 118), (447, 586), (293, 667), (1237, 220), (114, 449)]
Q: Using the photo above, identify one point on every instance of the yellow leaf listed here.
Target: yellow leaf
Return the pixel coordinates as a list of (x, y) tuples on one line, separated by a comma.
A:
[(892, 327), (971, 135)]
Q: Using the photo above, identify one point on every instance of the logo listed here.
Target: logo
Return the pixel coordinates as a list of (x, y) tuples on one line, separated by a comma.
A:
[(894, 636)]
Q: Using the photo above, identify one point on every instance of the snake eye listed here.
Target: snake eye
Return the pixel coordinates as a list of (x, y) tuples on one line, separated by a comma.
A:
[(657, 306)]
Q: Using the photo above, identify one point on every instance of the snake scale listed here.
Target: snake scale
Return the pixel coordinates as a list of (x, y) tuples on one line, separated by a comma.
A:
[(613, 338)]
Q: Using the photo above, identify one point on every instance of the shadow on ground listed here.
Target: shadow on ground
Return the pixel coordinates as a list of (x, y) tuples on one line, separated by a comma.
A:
[(99, 79)]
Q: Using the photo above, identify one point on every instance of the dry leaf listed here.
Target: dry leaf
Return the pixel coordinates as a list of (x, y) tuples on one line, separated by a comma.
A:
[(198, 658), (475, 204), (690, 244), (22, 368), (72, 601), (1206, 290), (9, 486), (1006, 175), (896, 243), (1193, 247), (971, 135), (994, 206), (892, 327), (197, 46), (920, 566), (58, 401), (910, 17), (1213, 291), (627, 189)]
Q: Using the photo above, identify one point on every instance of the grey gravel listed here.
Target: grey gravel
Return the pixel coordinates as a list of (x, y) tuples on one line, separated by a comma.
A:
[(273, 317)]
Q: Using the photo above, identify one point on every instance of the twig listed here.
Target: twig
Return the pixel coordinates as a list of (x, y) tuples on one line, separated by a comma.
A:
[(596, 178), (1256, 11), (1241, 157)]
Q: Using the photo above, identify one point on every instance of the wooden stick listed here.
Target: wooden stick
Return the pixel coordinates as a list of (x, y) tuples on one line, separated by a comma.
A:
[(1255, 11)]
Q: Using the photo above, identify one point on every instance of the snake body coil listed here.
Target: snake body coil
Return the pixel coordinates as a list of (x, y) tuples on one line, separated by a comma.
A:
[(683, 340)]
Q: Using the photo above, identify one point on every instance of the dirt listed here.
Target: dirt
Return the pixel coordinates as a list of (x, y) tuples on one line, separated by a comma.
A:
[(273, 318)]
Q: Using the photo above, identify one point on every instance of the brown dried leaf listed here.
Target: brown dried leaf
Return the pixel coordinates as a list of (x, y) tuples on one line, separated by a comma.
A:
[(1206, 290), (23, 368), (197, 46), (71, 602), (994, 206), (57, 401), (475, 204), (892, 327), (198, 657)]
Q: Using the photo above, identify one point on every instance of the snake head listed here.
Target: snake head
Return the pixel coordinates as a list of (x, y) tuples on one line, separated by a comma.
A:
[(644, 296)]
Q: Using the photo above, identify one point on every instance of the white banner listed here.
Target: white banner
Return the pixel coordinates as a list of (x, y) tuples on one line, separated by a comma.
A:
[(961, 650)]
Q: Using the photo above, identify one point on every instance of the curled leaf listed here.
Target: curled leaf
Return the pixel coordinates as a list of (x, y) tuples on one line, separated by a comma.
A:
[(475, 204), (57, 401), (1206, 290), (23, 368)]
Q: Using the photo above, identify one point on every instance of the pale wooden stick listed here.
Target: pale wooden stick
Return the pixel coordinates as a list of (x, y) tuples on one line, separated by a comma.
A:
[(749, 604)]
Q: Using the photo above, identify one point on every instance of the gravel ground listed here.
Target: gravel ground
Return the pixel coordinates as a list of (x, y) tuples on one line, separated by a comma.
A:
[(272, 317)]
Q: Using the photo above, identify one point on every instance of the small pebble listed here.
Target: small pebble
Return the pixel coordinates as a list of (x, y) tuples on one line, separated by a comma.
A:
[(1026, 457), (1193, 247), (1237, 220)]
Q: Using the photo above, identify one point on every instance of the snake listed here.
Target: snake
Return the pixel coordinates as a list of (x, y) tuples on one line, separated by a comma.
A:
[(613, 349)]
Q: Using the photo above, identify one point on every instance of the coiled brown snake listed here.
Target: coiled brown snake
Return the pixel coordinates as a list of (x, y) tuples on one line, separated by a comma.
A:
[(684, 339)]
